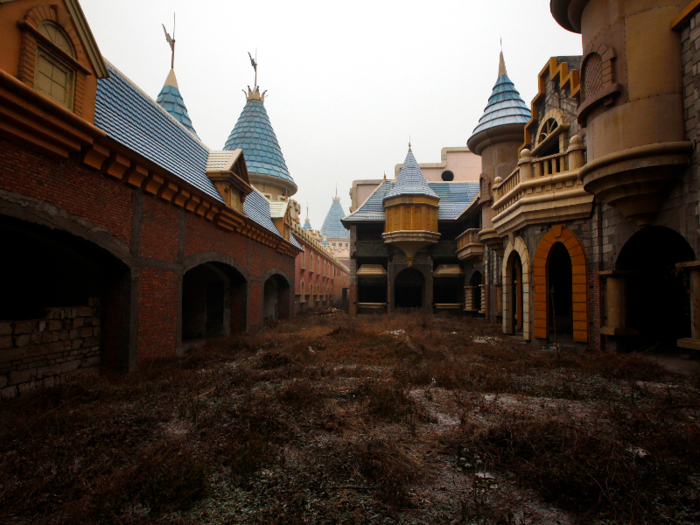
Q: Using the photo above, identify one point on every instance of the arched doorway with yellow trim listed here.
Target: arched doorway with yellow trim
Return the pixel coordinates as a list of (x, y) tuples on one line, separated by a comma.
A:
[(516, 289), (560, 263)]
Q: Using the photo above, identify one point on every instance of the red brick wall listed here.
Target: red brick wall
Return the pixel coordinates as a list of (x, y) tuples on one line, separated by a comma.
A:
[(78, 189), (158, 308), (159, 230)]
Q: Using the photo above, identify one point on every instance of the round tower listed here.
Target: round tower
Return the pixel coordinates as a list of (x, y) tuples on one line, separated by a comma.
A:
[(631, 100), (253, 133), (498, 136), (411, 211)]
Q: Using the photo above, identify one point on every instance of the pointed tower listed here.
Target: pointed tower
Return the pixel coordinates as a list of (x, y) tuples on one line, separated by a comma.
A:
[(171, 101), (411, 211), (337, 235), (253, 133), (498, 136)]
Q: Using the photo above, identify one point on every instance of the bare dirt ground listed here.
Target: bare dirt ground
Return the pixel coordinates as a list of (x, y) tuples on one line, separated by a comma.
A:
[(329, 419)]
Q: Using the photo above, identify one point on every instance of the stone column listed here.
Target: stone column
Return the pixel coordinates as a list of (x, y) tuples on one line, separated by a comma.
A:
[(616, 299), (692, 342)]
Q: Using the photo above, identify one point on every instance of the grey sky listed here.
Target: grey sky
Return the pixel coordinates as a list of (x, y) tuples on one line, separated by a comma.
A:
[(347, 82)]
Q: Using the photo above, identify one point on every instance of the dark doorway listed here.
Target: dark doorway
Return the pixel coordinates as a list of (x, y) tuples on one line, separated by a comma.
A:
[(515, 276), (559, 291), (276, 298), (43, 268), (213, 301), (658, 302), (409, 289)]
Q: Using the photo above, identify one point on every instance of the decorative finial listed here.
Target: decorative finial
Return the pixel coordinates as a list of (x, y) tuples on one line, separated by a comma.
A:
[(171, 42), (502, 66), (385, 175), (254, 63), (409, 145)]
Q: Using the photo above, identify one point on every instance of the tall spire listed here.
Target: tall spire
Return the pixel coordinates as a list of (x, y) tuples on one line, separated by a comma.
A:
[(502, 66), (506, 109)]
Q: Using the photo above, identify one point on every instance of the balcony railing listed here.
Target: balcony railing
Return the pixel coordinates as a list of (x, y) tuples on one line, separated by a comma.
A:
[(469, 246), (541, 190)]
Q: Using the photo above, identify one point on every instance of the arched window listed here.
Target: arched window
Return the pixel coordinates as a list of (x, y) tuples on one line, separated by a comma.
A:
[(54, 77)]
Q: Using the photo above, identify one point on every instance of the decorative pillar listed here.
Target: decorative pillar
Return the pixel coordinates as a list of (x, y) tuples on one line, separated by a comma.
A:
[(525, 164), (470, 299), (616, 299), (692, 342), (482, 302)]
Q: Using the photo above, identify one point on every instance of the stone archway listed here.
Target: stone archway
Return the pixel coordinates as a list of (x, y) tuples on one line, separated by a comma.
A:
[(516, 263), (550, 244), (409, 289), (276, 297)]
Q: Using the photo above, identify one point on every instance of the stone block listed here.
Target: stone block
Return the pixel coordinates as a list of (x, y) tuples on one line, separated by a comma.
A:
[(94, 301), (22, 376), (26, 387), (86, 331), (74, 334), (64, 335), (25, 327), (5, 328), (95, 321), (59, 346), (42, 325), (55, 325), (76, 343), (78, 322), (96, 332), (91, 341), (36, 350), (84, 311), (35, 338), (50, 381), (6, 341), (91, 361), (69, 366), (22, 340), (9, 392), (49, 370), (3, 381), (70, 313)]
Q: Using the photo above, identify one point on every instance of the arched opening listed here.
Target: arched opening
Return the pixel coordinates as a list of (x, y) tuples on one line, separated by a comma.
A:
[(213, 301), (473, 293), (447, 288), (64, 296), (658, 304), (276, 298), (559, 292), (409, 289), (514, 294)]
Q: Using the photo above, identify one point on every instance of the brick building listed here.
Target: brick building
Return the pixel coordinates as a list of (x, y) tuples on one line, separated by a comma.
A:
[(124, 236)]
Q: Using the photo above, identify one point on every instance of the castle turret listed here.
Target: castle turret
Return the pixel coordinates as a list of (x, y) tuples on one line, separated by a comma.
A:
[(253, 134), (498, 136), (411, 211), (171, 101), (631, 100)]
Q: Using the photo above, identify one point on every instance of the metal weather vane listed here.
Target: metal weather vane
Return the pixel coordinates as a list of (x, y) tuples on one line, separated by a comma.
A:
[(254, 63), (171, 42)]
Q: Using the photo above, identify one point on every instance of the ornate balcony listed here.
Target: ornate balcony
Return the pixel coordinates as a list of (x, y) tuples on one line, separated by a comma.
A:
[(542, 190), (469, 248)]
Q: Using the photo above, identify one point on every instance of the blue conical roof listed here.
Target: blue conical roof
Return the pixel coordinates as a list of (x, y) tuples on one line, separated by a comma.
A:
[(307, 225), (410, 180), (253, 133), (171, 101), (332, 227), (505, 104)]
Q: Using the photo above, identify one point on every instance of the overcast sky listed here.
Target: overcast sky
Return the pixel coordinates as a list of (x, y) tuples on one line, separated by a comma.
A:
[(347, 82)]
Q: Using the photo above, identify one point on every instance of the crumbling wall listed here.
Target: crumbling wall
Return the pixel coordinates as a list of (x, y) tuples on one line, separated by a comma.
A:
[(42, 352)]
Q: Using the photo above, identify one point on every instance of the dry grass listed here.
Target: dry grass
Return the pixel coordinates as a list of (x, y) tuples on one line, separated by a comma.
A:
[(337, 420)]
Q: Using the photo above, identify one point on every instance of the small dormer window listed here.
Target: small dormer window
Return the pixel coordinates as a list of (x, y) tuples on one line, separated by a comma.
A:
[(54, 77)]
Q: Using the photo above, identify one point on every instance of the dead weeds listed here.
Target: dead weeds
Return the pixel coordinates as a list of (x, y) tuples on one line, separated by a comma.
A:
[(330, 419)]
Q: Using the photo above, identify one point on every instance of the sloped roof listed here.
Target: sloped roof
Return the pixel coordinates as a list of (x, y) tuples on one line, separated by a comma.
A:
[(171, 101), (134, 120), (332, 227), (137, 122), (257, 207), (454, 197), (307, 225), (410, 180), (253, 133), (296, 243), (505, 105)]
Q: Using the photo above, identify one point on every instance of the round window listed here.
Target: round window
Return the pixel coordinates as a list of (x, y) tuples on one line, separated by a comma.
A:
[(448, 176)]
